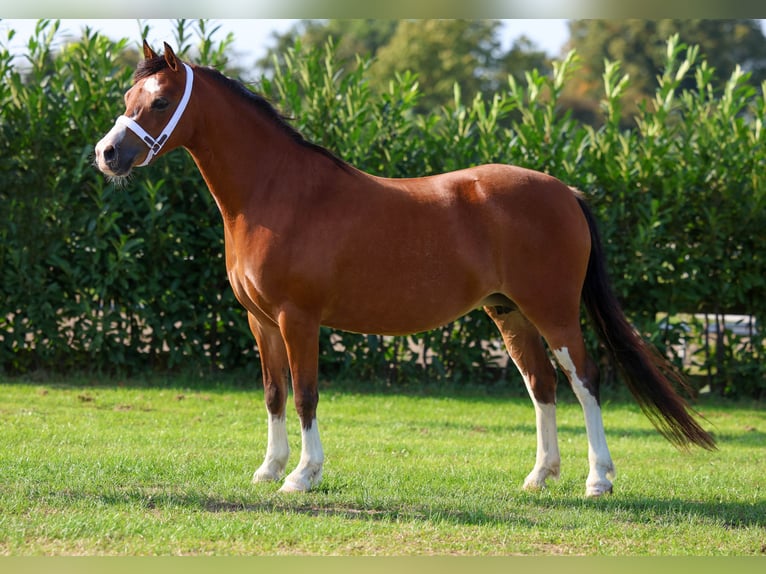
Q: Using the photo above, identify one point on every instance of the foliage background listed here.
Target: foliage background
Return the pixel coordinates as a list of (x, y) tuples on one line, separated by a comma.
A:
[(128, 279)]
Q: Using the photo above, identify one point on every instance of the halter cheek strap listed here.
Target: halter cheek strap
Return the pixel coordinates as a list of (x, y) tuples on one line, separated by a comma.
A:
[(155, 144)]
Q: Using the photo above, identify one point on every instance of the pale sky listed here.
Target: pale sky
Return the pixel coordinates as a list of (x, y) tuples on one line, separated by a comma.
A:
[(252, 37)]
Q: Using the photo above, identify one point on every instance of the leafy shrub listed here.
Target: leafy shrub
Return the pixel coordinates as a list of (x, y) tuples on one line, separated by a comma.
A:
[(106, 278)]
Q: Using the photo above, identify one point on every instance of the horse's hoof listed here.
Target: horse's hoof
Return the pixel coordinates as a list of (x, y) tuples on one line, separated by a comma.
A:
[(295, 485), (535, 480), (534, 485), (269, 471), (265, 476), (291, 487), (598, 490), (302, 480)]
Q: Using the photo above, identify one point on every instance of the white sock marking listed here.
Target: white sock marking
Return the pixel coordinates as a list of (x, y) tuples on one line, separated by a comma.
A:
[(548, 459), (277, 451), (308, 473), (601, 466)]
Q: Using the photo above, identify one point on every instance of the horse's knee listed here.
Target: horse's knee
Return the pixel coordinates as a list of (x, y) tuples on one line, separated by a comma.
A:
[(306, 400), (275, 395)]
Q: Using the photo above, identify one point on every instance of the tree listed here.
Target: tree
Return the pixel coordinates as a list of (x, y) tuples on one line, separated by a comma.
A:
[(440, 52), (639, 46), (351, 38), (522, 57)]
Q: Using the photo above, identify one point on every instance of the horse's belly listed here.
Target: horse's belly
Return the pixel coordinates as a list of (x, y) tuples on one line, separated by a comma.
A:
[(380, 325), (402, 311)]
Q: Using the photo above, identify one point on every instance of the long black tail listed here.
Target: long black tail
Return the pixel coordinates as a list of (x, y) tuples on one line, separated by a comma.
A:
[(649, 376)]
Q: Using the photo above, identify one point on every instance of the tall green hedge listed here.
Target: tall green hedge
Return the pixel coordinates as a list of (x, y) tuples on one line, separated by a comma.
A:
[(100, 277)]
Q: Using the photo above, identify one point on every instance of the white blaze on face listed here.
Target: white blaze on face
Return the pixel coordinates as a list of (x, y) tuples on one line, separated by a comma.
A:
[(152, 85)]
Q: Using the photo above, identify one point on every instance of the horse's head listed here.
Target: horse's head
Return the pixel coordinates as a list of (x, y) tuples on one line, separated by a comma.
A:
[(153, 108)]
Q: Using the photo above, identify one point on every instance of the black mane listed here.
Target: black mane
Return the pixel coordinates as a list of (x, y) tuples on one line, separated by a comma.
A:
[(152, 66), (149, 67)]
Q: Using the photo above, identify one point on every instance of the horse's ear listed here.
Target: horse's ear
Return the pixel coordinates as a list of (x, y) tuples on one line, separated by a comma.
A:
[(148, 52), (171, 58)]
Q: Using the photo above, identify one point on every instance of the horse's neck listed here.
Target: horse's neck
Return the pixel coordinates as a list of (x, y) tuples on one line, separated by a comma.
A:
[(238, 152)]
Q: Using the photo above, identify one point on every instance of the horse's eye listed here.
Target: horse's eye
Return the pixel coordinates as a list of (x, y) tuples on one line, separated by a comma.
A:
[(160, 104)]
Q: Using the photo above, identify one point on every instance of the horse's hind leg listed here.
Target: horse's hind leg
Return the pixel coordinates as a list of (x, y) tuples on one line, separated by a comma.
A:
[(569, 349), (275, 374), (525, 346)]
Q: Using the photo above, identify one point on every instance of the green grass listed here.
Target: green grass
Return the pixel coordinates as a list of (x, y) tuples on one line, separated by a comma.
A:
[(166, 471)]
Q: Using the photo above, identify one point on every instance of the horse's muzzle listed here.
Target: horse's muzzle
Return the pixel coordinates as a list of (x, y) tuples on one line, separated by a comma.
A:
[(115, 156)]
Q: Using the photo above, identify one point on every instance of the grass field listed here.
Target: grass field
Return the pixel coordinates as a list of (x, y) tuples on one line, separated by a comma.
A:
[(165, 470)]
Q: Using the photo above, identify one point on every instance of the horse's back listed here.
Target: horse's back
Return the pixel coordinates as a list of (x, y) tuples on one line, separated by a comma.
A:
[(511, 201), (516, 188)]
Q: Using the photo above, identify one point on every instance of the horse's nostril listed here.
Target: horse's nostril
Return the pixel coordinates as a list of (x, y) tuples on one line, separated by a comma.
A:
[(110, 153)]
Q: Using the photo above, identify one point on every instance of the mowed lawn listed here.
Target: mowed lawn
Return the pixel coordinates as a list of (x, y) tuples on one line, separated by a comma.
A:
[(93, 469)]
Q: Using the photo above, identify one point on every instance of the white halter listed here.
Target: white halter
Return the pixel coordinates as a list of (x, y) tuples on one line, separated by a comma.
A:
[(155, 144)]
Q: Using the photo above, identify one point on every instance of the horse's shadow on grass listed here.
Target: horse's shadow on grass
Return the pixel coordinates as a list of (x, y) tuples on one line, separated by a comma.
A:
[(728, 515), (527, 510)]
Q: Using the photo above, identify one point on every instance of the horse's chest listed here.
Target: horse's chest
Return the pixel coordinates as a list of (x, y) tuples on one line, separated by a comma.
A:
[(247, 268), (251, 292)]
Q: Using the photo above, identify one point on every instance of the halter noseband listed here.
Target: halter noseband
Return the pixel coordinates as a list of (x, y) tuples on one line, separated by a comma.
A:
[(155, 144)]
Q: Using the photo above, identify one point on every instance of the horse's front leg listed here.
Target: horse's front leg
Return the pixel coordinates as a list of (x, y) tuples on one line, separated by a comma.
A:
[(275, 372), (301, 336)]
